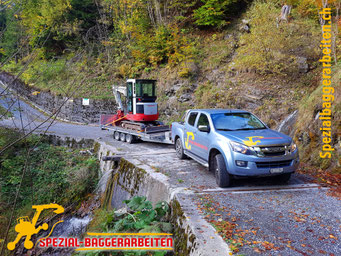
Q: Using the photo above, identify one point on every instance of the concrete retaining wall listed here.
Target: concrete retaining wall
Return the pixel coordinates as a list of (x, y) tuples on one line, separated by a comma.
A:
[(125, 178), (72, 110)]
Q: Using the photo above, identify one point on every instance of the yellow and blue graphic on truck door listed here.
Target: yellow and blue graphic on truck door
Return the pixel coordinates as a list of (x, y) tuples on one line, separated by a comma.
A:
[(188, 146), (190, 140)]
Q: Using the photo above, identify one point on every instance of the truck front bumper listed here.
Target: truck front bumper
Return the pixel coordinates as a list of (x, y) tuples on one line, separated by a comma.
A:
[(262, 166)]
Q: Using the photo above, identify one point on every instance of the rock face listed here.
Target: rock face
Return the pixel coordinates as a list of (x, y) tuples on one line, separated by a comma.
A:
[(185, 97), (303, 66), (288, 124), (245, 27), (71, 109)]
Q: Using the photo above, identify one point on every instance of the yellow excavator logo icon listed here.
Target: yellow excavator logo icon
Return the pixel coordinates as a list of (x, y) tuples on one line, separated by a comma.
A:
[(27, 228), (187, 145), (250, 142)]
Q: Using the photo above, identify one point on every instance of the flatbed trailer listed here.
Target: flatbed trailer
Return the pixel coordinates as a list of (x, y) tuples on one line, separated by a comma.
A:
[(130, 136)]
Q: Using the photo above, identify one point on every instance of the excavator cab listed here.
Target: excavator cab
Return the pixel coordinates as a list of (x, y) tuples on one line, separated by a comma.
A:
[(140, 91), (140, 100)]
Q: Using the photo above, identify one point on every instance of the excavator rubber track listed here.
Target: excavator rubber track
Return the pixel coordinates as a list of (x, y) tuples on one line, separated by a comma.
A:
[(148, 128)]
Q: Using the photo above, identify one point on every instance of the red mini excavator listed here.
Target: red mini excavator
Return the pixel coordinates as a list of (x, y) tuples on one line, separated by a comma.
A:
[(140, 111)]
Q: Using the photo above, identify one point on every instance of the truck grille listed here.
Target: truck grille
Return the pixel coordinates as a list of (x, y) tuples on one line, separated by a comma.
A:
[(273, 151), (277, 164)]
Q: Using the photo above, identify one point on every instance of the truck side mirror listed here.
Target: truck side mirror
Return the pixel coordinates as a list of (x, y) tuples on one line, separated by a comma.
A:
[(204, 128)]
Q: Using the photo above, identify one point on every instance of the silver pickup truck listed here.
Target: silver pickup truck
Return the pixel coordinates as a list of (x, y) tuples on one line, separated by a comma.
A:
[(234, 143)]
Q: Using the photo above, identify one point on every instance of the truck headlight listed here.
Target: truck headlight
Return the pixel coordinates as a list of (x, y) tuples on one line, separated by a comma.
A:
[(292, 146), (240, 148)]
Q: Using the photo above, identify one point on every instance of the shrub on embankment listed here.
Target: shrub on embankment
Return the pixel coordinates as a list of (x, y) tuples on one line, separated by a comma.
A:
[(138, 216)]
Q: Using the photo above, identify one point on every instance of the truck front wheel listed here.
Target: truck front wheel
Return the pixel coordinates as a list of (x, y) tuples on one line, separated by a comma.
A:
[(223, 178), (179, 149)]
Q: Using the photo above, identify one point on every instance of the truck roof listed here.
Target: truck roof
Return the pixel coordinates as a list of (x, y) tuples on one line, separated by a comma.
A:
[(218, 111)]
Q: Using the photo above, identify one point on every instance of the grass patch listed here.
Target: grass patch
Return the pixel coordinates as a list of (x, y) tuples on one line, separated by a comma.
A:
[(67, 76), (4, 114)]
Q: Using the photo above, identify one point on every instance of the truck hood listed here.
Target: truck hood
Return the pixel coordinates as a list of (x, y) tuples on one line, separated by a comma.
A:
[(264, 137)]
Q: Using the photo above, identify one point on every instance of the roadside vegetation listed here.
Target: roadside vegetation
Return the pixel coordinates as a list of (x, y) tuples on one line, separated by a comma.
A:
[(138, 216), (53, 175), (4, 114)]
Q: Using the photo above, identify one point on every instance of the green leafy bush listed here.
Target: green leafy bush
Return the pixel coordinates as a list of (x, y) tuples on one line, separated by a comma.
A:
[(213, 12), (140, 216)]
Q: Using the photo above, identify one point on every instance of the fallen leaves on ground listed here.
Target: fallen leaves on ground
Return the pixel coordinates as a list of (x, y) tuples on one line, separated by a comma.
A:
[(331, 178)]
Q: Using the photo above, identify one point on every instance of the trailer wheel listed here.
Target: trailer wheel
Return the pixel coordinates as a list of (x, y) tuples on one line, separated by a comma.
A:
[(130, 138), (123, 137), (179, 149), (117, 135), (222, 177)]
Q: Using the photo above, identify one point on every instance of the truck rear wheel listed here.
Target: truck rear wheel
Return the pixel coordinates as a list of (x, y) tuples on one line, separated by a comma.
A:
[(130, 138), (123, 137), (117, 135), (222, 177), (179, 149)]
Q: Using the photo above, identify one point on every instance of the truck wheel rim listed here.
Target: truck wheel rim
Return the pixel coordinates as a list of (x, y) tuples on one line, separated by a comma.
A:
[(178, 147), (216, 169), (122, 137)]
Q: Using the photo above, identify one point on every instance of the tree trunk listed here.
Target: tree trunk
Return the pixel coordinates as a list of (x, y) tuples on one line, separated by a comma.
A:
[(158, 12)]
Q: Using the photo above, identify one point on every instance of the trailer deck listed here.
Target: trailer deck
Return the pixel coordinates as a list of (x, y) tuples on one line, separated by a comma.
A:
[(149, 136)]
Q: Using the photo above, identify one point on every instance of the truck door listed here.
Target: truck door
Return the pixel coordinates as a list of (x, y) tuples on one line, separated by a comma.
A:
[(202, 138), (190, 132)]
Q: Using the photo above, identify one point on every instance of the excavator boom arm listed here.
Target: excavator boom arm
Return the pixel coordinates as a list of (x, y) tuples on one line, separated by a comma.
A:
[(118, 90)]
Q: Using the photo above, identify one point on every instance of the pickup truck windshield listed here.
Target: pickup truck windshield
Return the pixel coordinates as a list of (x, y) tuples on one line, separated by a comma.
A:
[(236, 122)]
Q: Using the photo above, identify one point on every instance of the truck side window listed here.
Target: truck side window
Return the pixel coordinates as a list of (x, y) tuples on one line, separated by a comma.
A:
[(192, 117), (203, 120)]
